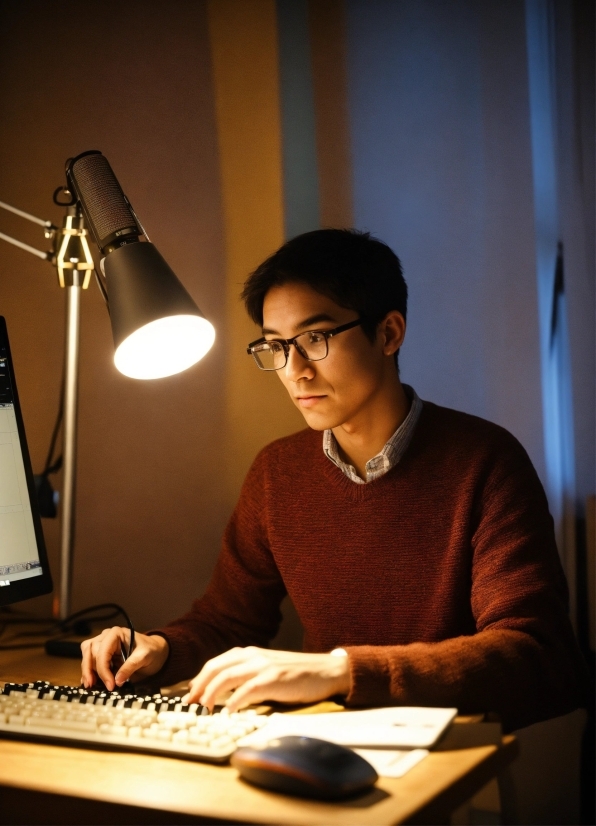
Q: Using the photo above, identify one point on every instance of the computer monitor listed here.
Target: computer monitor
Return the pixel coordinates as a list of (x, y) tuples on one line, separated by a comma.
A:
[(24, 569)]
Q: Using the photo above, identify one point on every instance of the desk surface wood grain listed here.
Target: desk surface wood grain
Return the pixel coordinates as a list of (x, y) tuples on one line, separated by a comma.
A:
[(470, 756)]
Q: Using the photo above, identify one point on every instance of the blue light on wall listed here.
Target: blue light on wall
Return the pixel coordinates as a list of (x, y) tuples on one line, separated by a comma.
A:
[(554, 338)]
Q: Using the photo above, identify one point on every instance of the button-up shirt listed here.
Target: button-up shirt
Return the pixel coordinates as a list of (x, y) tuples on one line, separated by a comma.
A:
[(390, 454)]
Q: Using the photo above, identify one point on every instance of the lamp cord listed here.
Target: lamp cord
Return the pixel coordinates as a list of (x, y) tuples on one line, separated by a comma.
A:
[(61, 628)]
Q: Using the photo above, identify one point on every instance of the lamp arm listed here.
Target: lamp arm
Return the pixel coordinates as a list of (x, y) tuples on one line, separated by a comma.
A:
[(47, 224), (47, 256)]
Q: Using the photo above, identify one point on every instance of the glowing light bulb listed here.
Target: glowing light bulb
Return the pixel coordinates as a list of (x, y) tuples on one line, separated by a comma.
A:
[(165, 347)]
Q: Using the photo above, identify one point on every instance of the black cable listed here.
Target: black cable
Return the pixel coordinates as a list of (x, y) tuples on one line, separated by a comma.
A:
[(119, 610), (116, 609), (66, 626)]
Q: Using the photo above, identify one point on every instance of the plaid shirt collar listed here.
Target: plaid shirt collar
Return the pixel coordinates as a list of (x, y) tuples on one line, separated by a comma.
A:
[(390, 454)]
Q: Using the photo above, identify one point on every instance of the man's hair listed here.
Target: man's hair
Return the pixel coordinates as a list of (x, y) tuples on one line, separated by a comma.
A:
[(355, 270)]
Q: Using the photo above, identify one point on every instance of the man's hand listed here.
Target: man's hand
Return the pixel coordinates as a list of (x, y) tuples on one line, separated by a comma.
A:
[(258, 674), (148, 657)]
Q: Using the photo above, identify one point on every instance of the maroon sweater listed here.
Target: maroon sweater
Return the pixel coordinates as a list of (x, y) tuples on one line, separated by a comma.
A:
[(441, 579)]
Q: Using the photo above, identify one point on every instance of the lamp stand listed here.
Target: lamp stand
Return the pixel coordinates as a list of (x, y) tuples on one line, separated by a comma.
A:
[(74, 265), (69, 445)]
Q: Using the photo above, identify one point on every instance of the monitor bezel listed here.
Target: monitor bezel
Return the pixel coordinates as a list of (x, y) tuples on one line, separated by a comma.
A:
[(30, 587)]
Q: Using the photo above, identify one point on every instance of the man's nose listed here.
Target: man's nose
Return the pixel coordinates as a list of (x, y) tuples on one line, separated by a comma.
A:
[(297, 367)]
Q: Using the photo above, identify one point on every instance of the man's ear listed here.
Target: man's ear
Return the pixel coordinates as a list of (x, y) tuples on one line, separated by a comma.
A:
[(392, 330)]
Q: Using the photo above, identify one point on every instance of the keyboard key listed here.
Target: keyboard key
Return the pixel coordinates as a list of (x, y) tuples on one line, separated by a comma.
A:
[(76, 716)]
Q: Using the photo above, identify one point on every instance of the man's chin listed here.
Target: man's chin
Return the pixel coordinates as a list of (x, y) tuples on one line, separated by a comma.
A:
[(317, 421)]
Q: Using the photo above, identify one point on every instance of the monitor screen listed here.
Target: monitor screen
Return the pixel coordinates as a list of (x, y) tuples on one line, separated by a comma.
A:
[(24, 570)]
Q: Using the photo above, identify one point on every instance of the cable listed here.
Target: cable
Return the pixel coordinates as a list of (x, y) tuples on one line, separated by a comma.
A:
[(116, 609), (61, 628)]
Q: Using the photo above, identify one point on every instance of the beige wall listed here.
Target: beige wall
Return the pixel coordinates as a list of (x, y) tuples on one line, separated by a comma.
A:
[(196, 146), (246, 84)]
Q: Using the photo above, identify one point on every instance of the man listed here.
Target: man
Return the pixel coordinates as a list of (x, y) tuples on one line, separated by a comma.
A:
[(414, 541)]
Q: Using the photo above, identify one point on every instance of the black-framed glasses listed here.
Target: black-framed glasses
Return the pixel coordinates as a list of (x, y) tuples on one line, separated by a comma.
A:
[(313, 345)]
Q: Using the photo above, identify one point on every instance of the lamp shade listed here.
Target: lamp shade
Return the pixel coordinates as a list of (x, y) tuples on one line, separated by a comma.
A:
[(158, 329)]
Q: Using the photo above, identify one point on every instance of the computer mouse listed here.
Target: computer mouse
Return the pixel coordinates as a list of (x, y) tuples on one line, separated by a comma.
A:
[(305, 766)]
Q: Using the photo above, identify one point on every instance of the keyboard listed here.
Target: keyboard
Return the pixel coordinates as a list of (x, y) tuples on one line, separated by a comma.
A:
[(74, 716)]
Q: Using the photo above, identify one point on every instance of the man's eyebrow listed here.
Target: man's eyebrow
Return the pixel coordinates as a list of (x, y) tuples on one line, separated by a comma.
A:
[(307, 324)]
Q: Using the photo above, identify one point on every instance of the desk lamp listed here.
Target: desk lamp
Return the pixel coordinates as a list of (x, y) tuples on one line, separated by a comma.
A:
[(158, 329)]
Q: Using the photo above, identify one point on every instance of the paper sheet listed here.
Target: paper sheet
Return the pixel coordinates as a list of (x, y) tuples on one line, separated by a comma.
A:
[(390, 763), (398, 727)]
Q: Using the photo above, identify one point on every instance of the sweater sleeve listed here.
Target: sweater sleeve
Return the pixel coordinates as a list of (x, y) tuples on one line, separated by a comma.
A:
[(241, 604), (523, 661)]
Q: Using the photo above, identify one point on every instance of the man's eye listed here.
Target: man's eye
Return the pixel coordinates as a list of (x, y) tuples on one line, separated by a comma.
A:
[(315, 337), (274, 346)]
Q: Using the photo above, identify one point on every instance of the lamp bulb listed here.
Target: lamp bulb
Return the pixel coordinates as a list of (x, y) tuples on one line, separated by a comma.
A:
[(164, 347)]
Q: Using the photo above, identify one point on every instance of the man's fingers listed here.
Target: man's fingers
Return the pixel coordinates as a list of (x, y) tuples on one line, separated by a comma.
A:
[(198, 684), (259, 674), (104, 647), (225, 681), (102, 656), (88, 674), (140, 659), (133, 664), (250, 693), (196, 687), (212, 669)]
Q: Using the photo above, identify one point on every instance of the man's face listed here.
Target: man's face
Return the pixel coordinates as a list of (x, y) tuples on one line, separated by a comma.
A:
[(345, 388)]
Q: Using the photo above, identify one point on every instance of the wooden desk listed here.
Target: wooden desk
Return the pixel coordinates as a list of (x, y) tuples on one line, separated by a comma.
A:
[(57, 785)]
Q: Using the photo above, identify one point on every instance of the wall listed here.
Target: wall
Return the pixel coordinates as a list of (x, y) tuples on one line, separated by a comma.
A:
[(442, 172), (159, 463), (469, 157)]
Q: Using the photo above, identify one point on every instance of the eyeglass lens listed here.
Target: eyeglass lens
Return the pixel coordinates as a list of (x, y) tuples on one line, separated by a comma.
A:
[(271, 355)]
